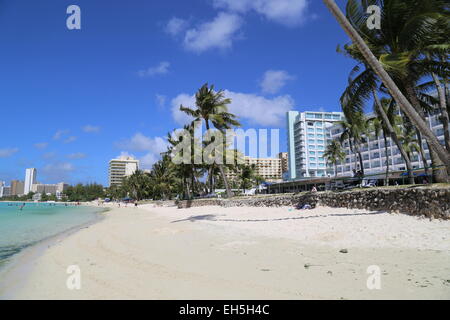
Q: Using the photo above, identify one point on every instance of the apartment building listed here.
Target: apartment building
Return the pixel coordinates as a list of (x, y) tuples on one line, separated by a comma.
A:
[(121, 168), (270, 169), (308, 135)]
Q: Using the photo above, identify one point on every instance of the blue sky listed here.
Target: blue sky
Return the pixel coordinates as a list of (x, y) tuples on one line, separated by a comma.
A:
[(73, 99)]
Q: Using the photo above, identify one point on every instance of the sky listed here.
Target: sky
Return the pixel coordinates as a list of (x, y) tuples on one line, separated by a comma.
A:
[(71, 100)]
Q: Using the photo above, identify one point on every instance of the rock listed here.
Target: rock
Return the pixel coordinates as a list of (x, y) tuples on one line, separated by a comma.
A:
[(343, 251)]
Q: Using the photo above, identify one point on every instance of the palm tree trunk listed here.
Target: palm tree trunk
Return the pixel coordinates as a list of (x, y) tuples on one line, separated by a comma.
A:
[(398, 96), (386, 150), (394, 136), (422, 152), (439, 170), (443, 108), (225, 182)]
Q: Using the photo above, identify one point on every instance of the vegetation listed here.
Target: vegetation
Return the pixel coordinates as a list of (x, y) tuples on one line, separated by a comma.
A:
[(404, 62), (334, 154)]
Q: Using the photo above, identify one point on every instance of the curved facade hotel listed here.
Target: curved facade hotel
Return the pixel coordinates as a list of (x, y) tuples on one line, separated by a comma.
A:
[(308, 135), (121, 168)]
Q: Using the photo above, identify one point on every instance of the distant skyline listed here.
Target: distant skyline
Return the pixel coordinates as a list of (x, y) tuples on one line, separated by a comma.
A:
[(74, 99)]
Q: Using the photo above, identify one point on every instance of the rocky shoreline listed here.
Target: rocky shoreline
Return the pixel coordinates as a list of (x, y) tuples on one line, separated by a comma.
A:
[(432, 203)]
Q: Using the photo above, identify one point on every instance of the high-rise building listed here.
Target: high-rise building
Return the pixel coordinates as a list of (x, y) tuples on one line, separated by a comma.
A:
[(375, 155), (30, 179), (17, 188), (2, 185), (270, 169), (121, 168), (283, 156), (308, 135)]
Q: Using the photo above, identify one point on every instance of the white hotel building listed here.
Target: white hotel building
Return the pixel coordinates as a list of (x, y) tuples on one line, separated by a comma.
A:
[(374, 153), (308, 135), (121, 168)]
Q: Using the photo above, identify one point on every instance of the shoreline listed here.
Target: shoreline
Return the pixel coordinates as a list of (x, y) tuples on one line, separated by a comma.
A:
[(213, 253), (15, 266)]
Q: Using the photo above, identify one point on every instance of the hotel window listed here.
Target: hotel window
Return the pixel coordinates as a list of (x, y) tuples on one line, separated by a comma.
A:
[(311, 141), (318, 116), (320, 148), (320, 136), (313, 164), (311, 136), (321, 159), (312, 159), (310, 124), (319, 124), (321, 165), (328, 116), (320, 153), (309, 115), (320, 141), (312, 147), (336, 117), (312, 153)]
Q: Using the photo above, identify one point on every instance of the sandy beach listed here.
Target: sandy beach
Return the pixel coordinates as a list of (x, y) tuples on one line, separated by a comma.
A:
[(239, 253)]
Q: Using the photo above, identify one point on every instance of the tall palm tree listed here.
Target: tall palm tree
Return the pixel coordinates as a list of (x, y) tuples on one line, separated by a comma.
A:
[(334, 154), (355, 131), (212, 108), (394, 90)]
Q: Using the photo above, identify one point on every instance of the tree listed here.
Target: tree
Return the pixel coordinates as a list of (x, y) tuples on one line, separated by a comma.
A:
[(334, 154), (392, 87), (137, 185), (247, 176), (212, 108)]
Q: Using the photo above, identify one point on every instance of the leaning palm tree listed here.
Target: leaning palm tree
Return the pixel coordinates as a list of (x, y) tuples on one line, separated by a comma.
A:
[(334, 154), (212, 108), (392, 87)]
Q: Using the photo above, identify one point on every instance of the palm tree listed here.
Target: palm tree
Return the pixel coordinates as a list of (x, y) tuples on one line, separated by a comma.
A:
[(334, 154), (355, 130), (212, 108), (375, 64), (137, 185), (163, 179), (247, 176)]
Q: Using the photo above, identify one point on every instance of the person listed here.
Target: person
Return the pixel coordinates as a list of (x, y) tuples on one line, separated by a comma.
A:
[(314, 189), (135, 204)]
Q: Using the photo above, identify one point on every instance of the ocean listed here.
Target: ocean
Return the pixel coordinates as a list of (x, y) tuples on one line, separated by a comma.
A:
[(37, 221)]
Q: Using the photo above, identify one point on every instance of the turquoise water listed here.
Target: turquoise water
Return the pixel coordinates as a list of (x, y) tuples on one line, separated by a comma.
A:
[(37, 221)]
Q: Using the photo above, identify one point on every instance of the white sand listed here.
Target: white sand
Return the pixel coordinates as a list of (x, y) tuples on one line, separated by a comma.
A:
[(240, 253)]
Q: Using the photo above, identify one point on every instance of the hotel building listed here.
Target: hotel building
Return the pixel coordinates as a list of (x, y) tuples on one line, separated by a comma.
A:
[(308, 134), (270, 169), (17, 188), (121, 168), (374, 153), (30, 179)]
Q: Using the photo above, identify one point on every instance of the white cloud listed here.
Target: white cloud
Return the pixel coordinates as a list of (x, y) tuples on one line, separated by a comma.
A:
[(70, 139), (257, 110), (77, 155), (216, 34), (91, 129), (287, 12), (8, 152), (59, 134), (161, 68), (58, 172), (274, 80), (175, 26), (152, 147), (41, 145), (161, 101)]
